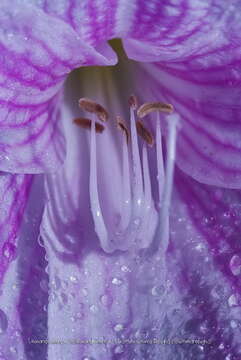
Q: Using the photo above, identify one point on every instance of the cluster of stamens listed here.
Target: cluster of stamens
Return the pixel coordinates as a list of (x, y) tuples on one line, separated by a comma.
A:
[(141, 222)]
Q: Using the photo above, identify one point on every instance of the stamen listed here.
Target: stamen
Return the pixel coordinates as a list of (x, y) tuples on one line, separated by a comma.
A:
[(137, 172), (147, 108), (133, 102), (99, 223), (144, 133), (86, 124), (173, 121), (159, 158), (126, 204), (93, 107), (146, 175), (122, 126)]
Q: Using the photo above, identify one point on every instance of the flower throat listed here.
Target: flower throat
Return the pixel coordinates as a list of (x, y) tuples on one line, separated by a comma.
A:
[(142, 220)]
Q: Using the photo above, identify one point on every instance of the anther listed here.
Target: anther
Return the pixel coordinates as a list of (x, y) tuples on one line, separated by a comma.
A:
[(93, 107), (122, 126), (86, 124), (144, 133), (147, 108), (133, 102)]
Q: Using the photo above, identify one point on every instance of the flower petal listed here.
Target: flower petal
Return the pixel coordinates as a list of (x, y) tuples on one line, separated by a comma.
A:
[(98, 297), (208, 226), (37, 52), (23, 292), (14, 197), (199, 72)]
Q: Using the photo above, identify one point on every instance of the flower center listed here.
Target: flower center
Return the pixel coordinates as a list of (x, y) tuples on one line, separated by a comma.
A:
[(143, 185)]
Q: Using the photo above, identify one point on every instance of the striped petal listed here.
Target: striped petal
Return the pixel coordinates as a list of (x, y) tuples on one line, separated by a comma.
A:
[(98, 295), (96, 298), (196, 67), (25, 285), (37, 52), (14, 195)]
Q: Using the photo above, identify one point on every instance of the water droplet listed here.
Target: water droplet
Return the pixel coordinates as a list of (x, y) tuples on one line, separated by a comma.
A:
[(13, 349), (119, 349), (105, 300), (125, 268), (221, 346), (85, 291), (116, 281), (63, 298), (73, 279), (79, 315), (3, 322), (118, 327), (137, 222), (9, 251), (94, 309), (87, 358), (40, 241), (56, 283), (44, 285), (235, 265), (158, 290), (17, 333), (232, 300), (233, 324)]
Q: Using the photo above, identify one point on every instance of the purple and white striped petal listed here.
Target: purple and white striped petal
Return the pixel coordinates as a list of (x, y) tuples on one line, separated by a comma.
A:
[(23, 294), (196, 68), (13, 197), (37, 52)]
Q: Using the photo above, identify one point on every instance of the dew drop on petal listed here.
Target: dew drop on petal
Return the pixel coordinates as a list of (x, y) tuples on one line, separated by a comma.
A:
[(116, 281), (40, 241), (118, 327), (79, 315), (13, 349), (105, 300), (235, 265), (9, 251), (94, 309), (157, 290), (63, 298), (119, 349), (85, 292), (221, 346), (56, 283), (232, 300), (44, 285), (3, 322), (125, 268), (233, 324), (73, 279)]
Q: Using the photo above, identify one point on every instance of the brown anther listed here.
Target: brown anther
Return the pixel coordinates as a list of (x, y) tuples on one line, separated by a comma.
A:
[(133, 102), (144, 133), (147, 108), (93, 107), (122, 126), (86, 124)]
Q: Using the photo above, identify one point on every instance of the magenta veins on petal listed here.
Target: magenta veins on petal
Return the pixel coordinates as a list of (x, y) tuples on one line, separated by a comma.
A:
[(120, 214)]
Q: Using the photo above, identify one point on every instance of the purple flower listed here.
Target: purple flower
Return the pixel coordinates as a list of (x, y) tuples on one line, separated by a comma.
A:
[(106, 252)]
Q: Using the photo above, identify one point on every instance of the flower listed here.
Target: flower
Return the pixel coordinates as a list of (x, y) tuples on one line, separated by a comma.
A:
[(98, 261)]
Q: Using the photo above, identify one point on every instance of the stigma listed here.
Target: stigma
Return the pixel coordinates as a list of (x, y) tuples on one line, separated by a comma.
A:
[(143, 219)]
